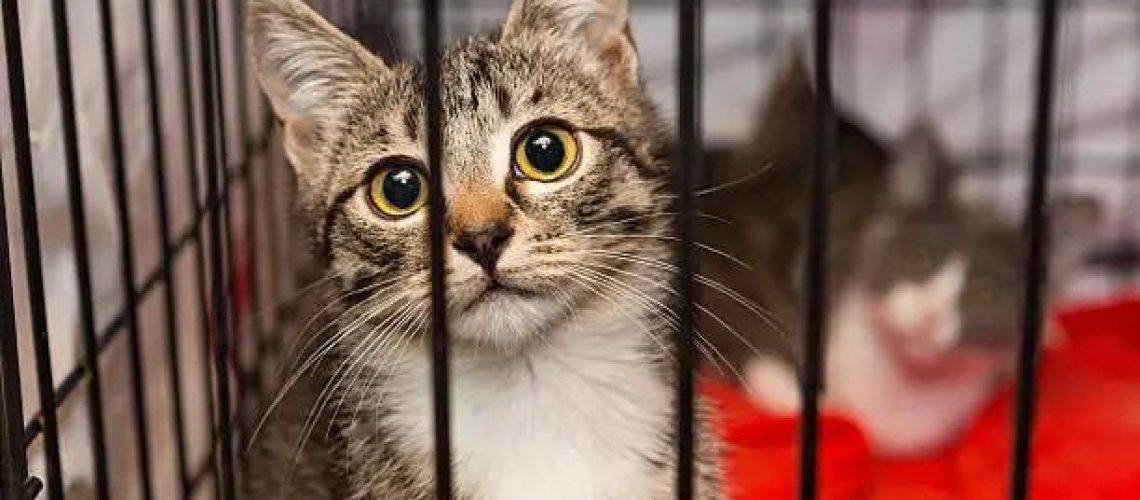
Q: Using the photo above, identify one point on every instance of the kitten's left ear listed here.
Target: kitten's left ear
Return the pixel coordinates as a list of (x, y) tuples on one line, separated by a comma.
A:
[(597, 29)]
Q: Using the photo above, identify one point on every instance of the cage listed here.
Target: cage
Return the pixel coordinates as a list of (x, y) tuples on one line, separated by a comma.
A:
[(152, 281)]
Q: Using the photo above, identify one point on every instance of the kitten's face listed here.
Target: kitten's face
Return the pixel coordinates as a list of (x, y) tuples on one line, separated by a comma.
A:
[(552, 166), (942, 271), (946, 276)]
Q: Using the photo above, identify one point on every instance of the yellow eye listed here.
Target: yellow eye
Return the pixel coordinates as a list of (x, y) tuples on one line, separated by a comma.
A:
[(545, 153), (398, 190)]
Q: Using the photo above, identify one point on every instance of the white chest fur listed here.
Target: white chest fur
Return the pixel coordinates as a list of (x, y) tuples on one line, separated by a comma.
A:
[(573, 418), (901, 414)]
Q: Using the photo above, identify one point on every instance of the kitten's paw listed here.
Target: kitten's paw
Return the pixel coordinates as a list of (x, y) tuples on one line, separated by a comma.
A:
[(772, 384)]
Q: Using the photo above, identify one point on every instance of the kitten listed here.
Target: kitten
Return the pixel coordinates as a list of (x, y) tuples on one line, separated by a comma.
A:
[(925, 328), (558, 222), (926, 291)]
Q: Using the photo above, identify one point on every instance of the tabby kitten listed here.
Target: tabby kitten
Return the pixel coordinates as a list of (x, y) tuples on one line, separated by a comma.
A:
[(558, 264)]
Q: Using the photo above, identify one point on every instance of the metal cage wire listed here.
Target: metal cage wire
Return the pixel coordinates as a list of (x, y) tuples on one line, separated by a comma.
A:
[(216, 201)]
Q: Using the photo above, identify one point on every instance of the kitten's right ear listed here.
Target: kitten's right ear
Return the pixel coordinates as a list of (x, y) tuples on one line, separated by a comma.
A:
[(922, 173), (784, 121), (305, 65), (598, 29), (793, 80)]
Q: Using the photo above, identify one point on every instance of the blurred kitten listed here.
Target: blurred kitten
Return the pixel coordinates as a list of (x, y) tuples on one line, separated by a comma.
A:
[(925, 291)]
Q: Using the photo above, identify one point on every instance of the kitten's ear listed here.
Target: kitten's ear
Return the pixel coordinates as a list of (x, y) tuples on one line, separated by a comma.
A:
[(1074, 221), (598, 29), (793, 81), (787, 108), (922, 173), (784, 121), (305, 65)]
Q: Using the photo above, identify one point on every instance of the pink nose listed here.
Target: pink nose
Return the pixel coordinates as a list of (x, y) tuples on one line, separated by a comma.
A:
[(484, 244)]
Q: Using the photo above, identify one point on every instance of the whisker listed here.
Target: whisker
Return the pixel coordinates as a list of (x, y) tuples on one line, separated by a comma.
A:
[(332, 385), (295, 296), (389, 333), (589, 283), (717, 286), (564, 297), (740, 337), (420, 323), (735, 182), (700, 307), (594, 227), (309, 362), (721, 362), (670, 317), (658, 308), (377, 288), (369, 340), (702, 246), (703, 345), (346, 329)]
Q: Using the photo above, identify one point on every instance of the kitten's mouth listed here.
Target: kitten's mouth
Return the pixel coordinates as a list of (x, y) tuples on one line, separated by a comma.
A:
[(496, 288), (923, 356), (501, 313)]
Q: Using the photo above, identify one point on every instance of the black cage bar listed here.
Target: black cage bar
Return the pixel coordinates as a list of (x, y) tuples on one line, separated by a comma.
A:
[(1036, 268), (433, 104), (79, 236), (17, 95), (817, 232), (126, 245), (208, 237), (688, 163)]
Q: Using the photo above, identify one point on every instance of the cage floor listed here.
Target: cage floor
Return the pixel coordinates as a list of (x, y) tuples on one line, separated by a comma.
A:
[(1088, 424)]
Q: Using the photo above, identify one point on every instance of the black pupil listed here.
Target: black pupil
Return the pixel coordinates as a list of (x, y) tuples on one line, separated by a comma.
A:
[(402, 187), (544, 151)]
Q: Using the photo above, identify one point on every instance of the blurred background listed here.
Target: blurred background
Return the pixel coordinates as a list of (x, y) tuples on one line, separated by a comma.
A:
[(964, 65)]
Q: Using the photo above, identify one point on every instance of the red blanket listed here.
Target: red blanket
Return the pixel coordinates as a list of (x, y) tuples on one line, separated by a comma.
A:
[(1086, 442)]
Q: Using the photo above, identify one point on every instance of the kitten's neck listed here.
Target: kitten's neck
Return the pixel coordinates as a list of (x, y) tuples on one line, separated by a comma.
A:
[(901, 413), (596, 337), (581, 414)]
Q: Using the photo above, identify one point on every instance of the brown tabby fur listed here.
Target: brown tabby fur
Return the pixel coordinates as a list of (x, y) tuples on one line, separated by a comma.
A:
[(586, 250)]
